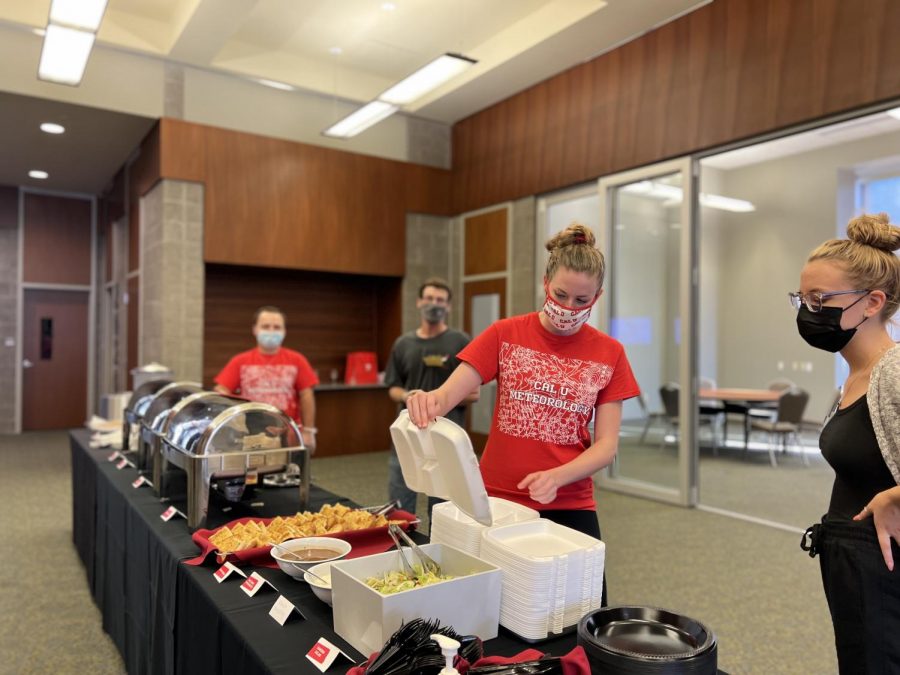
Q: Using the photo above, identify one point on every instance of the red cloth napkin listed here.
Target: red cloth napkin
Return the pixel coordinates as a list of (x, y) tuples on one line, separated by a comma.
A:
[(573, 663), (364, 542)]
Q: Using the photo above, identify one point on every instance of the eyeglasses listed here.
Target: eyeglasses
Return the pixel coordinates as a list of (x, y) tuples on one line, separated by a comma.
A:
[(814, 300)]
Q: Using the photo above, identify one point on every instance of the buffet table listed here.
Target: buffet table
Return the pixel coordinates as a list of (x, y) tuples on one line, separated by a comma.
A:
[(168, 617)]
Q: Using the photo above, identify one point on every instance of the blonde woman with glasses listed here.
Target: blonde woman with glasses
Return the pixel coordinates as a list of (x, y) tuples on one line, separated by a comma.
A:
[(849, 290)]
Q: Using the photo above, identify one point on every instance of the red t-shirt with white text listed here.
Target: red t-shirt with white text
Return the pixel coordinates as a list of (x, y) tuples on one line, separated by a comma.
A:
[(547, 389), (269, 378)]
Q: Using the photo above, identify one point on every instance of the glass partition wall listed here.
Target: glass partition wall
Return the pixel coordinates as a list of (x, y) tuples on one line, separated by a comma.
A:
[(646, 229)]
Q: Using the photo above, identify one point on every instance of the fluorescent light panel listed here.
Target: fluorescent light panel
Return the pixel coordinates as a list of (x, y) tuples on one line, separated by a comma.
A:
[(426, 79), (276, 85), (83, 14), (361, 119), (64, 54), (672, 196)]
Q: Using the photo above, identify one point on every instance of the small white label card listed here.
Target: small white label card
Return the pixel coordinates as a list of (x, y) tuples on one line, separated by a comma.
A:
[(114, 456), (323, 654), (121, 464), (170, 513), (283, 609), (225, 571), (254, 583), (140, 480)]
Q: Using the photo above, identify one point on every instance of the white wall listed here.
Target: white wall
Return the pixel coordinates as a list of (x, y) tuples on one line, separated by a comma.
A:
[(755, 259)]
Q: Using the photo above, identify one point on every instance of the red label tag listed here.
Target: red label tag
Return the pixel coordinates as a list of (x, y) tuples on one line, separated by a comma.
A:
[(168, 514), (121, 464), (225, 571), (140, 480), (323, 654), (253, 584), (113, 457), (319, 652)]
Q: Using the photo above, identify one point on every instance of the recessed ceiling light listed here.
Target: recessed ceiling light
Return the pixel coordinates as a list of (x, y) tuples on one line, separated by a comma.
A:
[(37, 173), (52, 128), (337, 51), (388, 6), (276, 85)]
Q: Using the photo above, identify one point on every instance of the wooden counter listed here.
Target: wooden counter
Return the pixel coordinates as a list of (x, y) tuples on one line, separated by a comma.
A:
[(353, 419)]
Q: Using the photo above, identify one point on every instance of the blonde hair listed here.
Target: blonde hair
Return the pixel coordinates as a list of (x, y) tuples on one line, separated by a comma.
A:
[(574, 249), (867, 257)]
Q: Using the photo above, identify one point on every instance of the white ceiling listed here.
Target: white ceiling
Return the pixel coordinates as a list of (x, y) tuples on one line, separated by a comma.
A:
[(292, 41), (517, 43)]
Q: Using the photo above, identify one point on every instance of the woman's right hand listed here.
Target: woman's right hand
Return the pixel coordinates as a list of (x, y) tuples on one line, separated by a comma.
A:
[(423, 407)]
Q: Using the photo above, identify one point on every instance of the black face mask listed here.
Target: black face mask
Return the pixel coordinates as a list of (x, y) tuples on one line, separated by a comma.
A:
[(822, 329)]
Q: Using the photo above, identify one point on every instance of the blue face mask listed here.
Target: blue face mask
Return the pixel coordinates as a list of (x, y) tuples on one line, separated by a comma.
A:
[(269, 339)]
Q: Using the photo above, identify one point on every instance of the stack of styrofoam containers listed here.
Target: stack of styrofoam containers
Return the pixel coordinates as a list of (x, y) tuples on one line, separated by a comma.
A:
[(450, 525), (552, 575)]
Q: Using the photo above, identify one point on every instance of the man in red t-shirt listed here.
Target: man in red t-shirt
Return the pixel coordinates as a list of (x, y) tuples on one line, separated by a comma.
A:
[(273, 374)]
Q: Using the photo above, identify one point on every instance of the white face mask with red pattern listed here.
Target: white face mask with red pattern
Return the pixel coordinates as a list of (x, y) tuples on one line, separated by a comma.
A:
[(568, 319)]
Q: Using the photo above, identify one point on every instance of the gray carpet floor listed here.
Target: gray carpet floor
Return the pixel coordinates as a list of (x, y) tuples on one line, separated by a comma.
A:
[(750, 583)]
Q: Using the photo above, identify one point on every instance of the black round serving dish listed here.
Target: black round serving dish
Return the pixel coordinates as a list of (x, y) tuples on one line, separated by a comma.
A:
[(646, 640)]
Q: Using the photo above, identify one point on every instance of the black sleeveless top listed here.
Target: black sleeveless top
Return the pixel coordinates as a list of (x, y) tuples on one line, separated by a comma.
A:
[(849, 445)]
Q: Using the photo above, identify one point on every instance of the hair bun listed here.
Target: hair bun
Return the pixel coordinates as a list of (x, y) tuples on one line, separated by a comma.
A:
[(575, 233), (874, 230)]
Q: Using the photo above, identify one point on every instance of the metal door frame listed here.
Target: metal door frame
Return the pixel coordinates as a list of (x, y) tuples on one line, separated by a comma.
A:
[(686, 494)]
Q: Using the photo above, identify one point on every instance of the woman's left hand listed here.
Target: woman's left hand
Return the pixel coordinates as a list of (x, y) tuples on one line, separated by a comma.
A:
[(885, 511), (542, 486)]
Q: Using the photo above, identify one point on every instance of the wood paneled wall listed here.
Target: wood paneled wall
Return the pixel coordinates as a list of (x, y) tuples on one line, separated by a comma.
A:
[(730, 70), (486, 242), (328, 315), (57, 243), (276, 203)]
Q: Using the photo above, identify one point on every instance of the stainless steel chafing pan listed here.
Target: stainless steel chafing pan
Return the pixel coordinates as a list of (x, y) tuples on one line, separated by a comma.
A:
[(213, 437), (155, 415), (134, 412)]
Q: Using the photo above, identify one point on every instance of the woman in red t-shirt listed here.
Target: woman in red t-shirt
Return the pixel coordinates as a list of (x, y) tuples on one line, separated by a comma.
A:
[(554, 373)]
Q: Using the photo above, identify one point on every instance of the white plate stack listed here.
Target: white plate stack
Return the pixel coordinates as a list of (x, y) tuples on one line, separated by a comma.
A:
[(552, 575), (449, 525)]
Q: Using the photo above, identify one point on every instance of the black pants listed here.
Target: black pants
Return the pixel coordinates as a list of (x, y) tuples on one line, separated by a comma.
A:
[(863, 595), (585, 522)]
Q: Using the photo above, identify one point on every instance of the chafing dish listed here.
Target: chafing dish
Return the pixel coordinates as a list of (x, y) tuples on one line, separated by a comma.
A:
[(154, 417), (220, 438), (134, 412)]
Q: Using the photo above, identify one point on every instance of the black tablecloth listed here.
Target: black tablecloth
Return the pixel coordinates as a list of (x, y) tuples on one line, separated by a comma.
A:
[(168, 617)]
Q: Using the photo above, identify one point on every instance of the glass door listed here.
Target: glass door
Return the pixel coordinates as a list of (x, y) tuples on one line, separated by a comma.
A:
[(647, 231)]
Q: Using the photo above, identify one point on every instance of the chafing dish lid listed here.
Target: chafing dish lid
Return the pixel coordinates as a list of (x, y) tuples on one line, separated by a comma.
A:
[(219, 424), (164, 400), (141, 397)]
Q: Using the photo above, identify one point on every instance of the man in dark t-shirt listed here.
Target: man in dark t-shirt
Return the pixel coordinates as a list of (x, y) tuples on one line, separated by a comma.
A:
[(423, 360)]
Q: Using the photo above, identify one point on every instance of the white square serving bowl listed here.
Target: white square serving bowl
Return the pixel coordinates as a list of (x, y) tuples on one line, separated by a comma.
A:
[(366, 619)]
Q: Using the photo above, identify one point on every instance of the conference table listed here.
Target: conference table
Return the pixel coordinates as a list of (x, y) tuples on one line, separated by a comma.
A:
[(165, 616), (738, 400)]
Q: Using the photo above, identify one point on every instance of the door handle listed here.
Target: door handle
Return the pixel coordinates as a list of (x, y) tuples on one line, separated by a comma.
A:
[(26, 363)]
